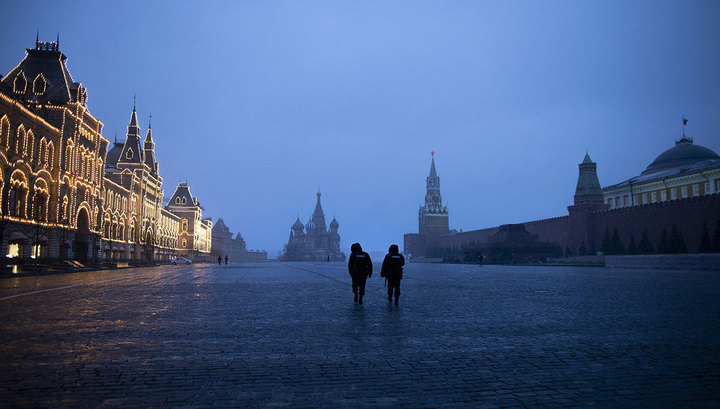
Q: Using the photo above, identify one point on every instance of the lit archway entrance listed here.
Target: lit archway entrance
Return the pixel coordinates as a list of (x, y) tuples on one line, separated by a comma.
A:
[(82, 236)]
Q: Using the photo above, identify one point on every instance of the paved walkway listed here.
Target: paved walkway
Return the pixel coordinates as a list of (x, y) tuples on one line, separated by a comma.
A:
[(289, 335)]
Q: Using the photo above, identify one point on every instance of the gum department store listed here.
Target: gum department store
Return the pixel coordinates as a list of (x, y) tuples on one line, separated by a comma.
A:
[(67, 193)]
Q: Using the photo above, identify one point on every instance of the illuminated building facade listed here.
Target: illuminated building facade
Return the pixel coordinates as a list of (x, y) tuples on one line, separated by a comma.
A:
[(135, 225), (52, 153), (313, 242), (195, 234), (63, 195)]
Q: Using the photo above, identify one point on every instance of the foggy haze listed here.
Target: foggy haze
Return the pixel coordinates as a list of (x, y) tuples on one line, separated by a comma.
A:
[(257, 105)]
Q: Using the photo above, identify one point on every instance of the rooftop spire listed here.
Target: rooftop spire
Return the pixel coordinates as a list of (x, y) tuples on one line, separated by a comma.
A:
[(433, 172)]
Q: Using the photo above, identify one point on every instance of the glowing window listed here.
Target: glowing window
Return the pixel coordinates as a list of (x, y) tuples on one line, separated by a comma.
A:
[(20, 83), (39, 85)]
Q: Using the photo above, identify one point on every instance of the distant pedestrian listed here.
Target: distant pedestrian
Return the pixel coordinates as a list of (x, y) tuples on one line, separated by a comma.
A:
[(360, 269), (226, 258), (392, 269), (219, 260)]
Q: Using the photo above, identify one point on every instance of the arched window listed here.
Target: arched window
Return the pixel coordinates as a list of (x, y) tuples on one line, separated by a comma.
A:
[(184, 243), (39, 85), (177, 200), (42, 152), (30, 141), (20, 139), (106, 226), (18, 194), (184, 201), (129, 154), (4, 130), (50, 155), (40, 200), (20, 83), (184, 225), (69, 150)]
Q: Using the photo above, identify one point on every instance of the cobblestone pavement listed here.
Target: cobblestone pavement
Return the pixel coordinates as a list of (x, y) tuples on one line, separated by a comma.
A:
[(289, 335)]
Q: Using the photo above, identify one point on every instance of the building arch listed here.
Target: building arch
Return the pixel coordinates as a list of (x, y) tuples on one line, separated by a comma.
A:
[(41, 200), (4, 131), (19, 139), (18, 193), (81, 243)]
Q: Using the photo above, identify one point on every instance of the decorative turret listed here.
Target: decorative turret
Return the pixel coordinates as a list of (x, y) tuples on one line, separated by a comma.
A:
[(588, 189), (149, 151), (131, 153), (334, 225)]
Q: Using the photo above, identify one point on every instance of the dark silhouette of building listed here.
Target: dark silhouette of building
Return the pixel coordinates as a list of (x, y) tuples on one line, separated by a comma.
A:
[(224, 244), (433, 219), (313, 242), (672, 206)]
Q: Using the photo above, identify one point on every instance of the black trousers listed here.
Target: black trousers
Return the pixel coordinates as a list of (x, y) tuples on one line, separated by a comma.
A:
[(393, 284), (358, 284)]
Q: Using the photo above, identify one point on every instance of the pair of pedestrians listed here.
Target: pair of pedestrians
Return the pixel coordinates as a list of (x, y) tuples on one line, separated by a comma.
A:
[(360, 269)]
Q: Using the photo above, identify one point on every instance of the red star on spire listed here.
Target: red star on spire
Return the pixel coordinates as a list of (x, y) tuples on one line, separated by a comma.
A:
[(432, 153)]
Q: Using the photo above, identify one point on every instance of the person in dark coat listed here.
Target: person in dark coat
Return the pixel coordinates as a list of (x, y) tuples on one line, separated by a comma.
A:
[(360, 269), (219, 260), (226, 259), (392, 269)]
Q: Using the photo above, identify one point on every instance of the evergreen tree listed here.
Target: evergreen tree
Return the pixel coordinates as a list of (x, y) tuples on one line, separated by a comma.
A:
[(705, 243), (632, 247), (645, 245), (664, 245), (606, 246), (616, 246), (568, 253), (582, 251), (716, 237), (676, 243)]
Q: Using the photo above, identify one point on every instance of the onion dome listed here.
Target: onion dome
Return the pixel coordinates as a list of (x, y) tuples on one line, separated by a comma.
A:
[(297, 226), (310, 225), (683, 153), (334, 224)]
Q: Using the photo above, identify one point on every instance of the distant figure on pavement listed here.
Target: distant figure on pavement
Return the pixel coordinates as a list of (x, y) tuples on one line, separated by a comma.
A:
[(360, 269), (226, 258), (219, 260), (392, 269)]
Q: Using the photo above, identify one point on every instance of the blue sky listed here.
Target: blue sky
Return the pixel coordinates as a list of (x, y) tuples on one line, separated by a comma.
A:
[(259, 104)]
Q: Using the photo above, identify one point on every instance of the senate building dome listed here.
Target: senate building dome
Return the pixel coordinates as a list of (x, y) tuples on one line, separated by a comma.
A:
[(683, 153)]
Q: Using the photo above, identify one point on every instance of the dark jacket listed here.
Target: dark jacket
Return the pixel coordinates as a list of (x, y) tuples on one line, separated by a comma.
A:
[(392, 266), (359, 264)]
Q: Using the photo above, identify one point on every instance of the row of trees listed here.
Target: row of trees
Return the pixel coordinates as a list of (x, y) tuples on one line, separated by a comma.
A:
[(669, 243)]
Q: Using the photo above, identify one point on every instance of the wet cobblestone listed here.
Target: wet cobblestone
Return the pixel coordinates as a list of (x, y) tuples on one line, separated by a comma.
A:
[(289, 335)]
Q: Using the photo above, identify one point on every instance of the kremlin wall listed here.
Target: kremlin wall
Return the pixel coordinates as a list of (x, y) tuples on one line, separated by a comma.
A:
[(671, 207)]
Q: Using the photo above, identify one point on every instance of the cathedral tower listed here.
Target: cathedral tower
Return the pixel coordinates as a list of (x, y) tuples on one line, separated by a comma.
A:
[(433, 216)]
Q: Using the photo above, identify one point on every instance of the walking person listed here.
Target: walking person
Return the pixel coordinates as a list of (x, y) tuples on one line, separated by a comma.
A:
[(392, 269), (360, 269), (226, 258), (219, 260)]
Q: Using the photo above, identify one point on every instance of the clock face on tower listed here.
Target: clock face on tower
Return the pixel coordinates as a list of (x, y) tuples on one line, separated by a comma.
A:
[(436, 199)]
